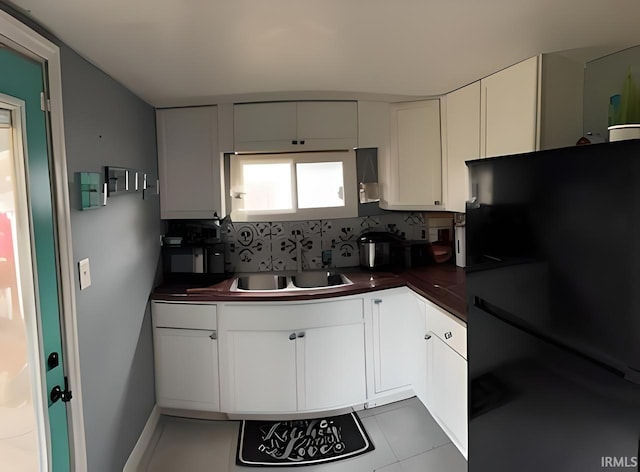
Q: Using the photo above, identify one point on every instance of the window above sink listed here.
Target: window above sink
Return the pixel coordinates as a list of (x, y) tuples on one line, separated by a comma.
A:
[(293, 186)]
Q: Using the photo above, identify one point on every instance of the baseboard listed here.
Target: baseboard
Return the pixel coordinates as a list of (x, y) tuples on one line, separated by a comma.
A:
[(390, 396), (146, 439)]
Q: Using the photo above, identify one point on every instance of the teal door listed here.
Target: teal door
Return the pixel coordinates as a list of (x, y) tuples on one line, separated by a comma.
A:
[(28, 230)]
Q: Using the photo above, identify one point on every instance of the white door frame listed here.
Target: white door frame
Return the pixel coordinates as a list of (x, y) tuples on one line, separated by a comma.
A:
[(25, 37)]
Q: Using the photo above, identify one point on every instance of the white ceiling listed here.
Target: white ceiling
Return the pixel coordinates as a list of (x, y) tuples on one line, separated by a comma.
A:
[(183, 52)]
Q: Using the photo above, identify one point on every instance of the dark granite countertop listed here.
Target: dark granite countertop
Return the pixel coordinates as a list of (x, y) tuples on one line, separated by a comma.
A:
[(443, 284)]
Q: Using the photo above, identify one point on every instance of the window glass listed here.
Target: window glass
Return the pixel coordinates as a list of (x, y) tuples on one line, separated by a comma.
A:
[(320, 184), (267, 186), (293, 186)]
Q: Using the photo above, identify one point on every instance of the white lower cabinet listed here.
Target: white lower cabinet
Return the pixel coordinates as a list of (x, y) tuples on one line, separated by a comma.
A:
[(188, 373), (399, 346), (186, 356), (261, 375), (292, 357), (333, 363), (266, 358), (447, 398), (447, 375)]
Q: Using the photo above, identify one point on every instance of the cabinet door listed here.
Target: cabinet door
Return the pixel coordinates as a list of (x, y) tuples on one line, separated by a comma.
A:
[(463, 142), (510, 100), (327, 125), (186, 369), (399, 328), (447, 398), (261, 371), (265, 126), (333, 373), (416, 157), (189, 163)]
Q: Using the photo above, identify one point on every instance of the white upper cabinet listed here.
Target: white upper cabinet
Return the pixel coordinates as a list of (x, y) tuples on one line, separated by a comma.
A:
[(535, 104), (189, 162), (327, 125), (264, 126), (510, 110), (295, 126), (414, 180), (463, 142)]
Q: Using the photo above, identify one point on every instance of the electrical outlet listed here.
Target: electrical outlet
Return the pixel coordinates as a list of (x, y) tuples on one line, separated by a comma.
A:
[(85, 274)]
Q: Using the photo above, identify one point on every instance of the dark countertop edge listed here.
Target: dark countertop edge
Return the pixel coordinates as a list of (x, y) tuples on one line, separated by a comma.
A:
[(441, 284)]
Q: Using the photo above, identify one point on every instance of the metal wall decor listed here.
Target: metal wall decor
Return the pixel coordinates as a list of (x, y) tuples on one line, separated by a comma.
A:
[(120, 180)]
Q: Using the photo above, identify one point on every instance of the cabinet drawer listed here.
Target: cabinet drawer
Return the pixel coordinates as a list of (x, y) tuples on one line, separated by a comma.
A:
[(448, 328), (291, 315), (184, 315)]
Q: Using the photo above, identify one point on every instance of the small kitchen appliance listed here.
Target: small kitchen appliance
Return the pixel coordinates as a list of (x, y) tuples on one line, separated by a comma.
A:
[(375, 249)]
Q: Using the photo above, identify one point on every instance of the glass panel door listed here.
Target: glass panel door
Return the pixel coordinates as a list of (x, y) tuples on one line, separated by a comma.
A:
[(22, 436)]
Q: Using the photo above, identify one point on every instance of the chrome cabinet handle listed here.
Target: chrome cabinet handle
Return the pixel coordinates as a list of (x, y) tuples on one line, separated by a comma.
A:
[(292, 336), (448, 335), (377, 301), (301, 335), (213, 335), (427, 336)]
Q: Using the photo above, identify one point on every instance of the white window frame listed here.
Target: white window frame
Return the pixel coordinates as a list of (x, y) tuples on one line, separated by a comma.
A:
[(350, 208)]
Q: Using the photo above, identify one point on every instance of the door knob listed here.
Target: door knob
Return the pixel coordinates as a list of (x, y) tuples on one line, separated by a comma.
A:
[(53, 360), (58, 394)]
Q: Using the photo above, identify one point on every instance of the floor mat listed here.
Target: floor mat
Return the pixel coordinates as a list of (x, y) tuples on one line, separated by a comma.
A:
[(301, 442)]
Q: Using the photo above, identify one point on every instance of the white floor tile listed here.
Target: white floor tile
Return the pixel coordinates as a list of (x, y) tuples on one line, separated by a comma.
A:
[(445, 458), (194, 446), (400, 431), (381, 456), (411, 430), (395, 467), (388, 407)]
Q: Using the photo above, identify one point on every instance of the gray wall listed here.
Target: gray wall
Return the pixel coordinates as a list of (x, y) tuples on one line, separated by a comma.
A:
[(105, 124), (602, 78)]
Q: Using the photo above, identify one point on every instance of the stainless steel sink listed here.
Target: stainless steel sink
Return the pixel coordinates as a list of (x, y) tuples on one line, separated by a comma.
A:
[(262, 282), (319, 279), (299, 281)]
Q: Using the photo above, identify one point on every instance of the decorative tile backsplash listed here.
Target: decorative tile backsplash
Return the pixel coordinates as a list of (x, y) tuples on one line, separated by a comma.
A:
[(273, 246)]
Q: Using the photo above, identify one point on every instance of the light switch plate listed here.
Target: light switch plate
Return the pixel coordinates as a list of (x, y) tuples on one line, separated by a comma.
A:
[(85, 274)]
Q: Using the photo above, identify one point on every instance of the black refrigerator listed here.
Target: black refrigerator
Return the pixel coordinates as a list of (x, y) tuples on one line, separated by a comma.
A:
[(553, 294)]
